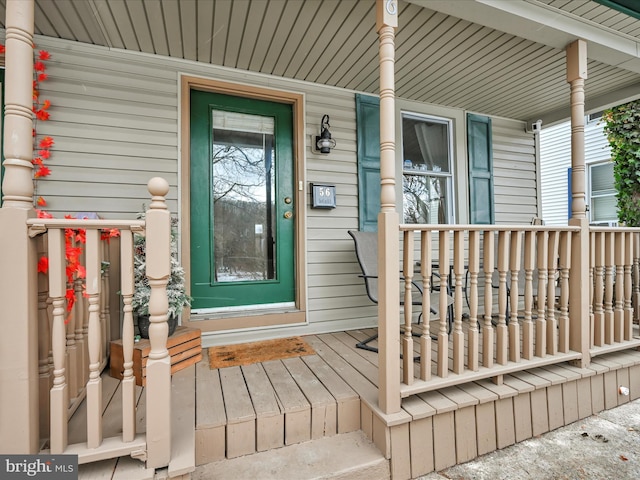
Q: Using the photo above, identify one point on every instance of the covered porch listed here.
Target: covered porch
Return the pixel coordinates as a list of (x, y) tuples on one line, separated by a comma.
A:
[(543, 330)]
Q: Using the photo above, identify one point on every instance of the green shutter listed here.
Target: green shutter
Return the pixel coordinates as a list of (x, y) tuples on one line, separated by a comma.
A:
[(481, 206), (368, 137)]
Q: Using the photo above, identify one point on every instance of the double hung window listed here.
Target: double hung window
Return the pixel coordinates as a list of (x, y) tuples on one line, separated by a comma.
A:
[(427, 169), (602, 201)]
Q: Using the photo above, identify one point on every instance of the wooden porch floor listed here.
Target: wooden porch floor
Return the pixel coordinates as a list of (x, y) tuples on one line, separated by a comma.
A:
[(263, 406), (241, 410)]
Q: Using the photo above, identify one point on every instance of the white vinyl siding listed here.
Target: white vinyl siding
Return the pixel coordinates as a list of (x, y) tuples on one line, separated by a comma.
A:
[(115, 122), (514, 172), (555, 160)]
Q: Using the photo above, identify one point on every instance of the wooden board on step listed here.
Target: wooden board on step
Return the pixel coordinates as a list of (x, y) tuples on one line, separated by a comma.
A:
[(185, 349)]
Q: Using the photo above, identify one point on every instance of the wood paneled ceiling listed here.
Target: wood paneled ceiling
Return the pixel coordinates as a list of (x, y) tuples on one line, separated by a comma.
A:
[(440, 57)]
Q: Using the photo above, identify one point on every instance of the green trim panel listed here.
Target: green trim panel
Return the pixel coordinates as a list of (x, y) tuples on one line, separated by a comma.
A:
[(368, 137), (628, 7), (479, 144)]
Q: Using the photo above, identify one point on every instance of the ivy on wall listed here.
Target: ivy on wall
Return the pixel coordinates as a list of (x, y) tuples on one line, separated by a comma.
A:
[(622, 127)]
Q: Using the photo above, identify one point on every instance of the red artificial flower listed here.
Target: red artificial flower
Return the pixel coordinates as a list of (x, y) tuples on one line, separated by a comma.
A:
[(71, 299), (44, 154), (81, 236), (43, 265), (81, 271), (42, 172), (43, 214), (42, 115), (46, 142), (42, 77), (41, 202), (44, 55), (73, 253), (46, 105), (37, 161), (2, 49), (109, 233), (39, 67)]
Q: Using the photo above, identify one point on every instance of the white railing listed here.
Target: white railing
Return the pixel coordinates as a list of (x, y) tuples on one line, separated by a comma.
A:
[(73, 344)]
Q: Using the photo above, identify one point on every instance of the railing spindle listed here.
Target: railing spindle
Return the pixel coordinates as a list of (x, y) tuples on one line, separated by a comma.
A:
[(541, 321), (608, 287), (80, 334), (618, 314), (527, 325), (94, 385), (474, 270), (59, 399), (598, 291), (636, 275), (73, 354), (552, 323), (44, 343), (443, 336), (502, 339), (407, 338), (425, 339), (128, 380), (458, 271), (565, 267), (487, 328), (514, 266), (106, 294)]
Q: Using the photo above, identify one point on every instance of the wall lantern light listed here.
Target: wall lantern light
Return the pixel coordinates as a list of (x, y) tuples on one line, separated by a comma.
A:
[(324, 142)]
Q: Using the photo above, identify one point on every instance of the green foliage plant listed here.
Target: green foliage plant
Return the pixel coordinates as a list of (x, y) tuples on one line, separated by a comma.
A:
[(622, 127), (176, 289)]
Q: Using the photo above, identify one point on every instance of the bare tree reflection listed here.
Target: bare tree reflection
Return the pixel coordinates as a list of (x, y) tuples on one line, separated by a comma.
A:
[(424, 199), (242, 183)]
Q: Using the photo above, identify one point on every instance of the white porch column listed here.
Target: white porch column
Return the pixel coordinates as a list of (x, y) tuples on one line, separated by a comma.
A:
[(19, 430), (579, 275), (388, 220)]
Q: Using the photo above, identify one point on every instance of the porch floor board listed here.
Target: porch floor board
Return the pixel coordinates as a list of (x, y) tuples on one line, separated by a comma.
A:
[(263, 406)]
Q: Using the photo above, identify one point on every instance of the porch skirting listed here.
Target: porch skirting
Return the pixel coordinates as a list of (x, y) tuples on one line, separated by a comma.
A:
[(466, 421)]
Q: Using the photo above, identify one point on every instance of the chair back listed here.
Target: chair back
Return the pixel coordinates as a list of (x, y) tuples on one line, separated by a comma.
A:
[(366, 246)]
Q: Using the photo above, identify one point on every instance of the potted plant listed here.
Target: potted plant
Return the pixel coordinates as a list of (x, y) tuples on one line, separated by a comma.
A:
[(176, 291)]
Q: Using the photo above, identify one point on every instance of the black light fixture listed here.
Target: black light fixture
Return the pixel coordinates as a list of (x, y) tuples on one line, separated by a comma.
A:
[(324, 142)]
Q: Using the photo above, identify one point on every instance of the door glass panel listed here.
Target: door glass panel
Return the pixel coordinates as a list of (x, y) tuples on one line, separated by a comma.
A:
[(243, 183)]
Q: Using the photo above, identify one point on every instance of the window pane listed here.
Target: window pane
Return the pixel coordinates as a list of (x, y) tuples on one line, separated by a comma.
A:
[(425, 145), (243, 188), (603, 209), (602, 178), (425, 199)]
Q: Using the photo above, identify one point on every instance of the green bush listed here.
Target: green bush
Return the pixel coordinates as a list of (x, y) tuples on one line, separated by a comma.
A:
[(622, 127)]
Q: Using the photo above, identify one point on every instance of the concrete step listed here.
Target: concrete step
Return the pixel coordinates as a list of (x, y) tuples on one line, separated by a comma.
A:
[(349, 456)]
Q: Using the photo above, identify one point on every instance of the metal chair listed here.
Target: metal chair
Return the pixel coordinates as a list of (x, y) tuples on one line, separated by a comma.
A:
[(366, 247)]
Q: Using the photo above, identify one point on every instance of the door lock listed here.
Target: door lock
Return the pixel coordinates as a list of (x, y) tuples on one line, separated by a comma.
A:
[(288, 214)]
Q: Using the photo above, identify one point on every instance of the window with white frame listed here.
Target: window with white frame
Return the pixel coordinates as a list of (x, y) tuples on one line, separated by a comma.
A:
[(427, 172), (602, 193)]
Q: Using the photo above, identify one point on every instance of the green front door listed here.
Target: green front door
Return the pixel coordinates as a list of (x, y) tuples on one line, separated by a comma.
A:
[(242, 202)]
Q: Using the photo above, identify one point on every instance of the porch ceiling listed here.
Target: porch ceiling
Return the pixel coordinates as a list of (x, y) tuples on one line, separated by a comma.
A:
[(494, 57)]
